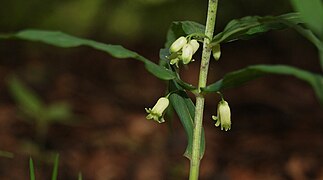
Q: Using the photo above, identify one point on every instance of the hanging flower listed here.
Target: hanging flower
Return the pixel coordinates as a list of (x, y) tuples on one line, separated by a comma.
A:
[(182, 50), (157, 112), (224, 116), (178, 44), (195, 45), (187, 53)]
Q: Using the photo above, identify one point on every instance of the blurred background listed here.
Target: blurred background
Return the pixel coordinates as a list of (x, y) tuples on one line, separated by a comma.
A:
[(89, 107)]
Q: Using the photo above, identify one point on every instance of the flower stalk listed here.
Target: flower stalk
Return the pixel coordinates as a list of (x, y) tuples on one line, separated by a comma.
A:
[(199, 107)]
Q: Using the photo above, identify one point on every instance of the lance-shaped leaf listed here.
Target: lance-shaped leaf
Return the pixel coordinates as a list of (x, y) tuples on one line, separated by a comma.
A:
[(6, 154), (185, 110), (250, 26), (60, 39), (31, 169), (80, 176), (238, 78), (55, 168)]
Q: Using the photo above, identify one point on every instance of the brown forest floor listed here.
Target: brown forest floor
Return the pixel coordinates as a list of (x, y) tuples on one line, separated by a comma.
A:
[(276, 134)]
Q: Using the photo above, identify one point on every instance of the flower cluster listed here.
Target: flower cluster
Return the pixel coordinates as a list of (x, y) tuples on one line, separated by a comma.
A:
[(224, 116), (157, 112), (183, 50)]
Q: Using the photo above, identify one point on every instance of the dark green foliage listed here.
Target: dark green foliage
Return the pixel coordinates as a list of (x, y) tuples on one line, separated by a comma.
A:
[(239, 77), (60, 39), (251, 26)]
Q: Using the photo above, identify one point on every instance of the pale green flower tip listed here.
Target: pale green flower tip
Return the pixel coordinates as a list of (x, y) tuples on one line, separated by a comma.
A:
[(178, 44), (173, 56), (161, 120), (225, 127), (155, 117), (217, 124), (149, 116), (174, 61)]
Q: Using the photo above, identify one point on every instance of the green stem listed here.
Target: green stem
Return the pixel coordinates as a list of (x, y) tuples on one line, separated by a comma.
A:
[(206, 54)]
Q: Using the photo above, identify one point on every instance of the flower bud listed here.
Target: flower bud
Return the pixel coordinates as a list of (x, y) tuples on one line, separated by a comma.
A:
[(224, 116), (156, 113), (195, 45), (216, 51), (178, 44), (187, 53)]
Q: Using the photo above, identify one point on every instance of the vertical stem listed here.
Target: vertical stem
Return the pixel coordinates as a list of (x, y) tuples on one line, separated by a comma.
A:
[(206, 54)]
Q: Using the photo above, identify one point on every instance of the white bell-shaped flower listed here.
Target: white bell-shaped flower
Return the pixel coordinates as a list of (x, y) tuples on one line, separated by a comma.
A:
[(157, 112), (182, 51), (187, 53), (178, 44), (224, 116), (195, 45)]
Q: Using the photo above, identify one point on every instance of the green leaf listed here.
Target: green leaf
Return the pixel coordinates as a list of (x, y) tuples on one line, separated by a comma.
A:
[(159, 71), (59, 112), (191, 27), (60, 39), (312, 13), (185, 110), (242, 76), (55, 168), (182, 28), (6, 154), (31, 169), (27, 100), (250, 26), (80, 176)]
